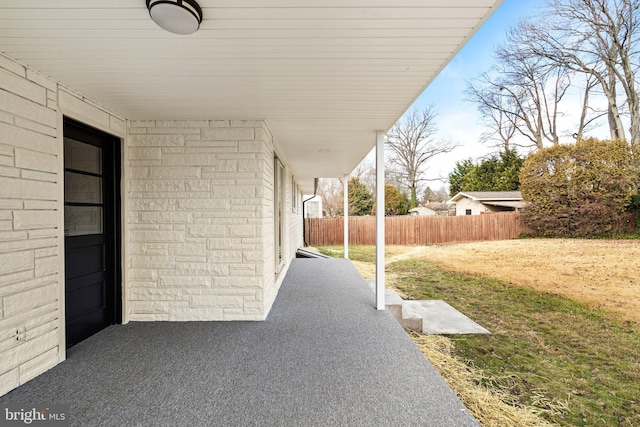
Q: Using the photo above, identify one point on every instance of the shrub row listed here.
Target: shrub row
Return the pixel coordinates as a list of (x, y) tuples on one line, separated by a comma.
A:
[(582, 189)]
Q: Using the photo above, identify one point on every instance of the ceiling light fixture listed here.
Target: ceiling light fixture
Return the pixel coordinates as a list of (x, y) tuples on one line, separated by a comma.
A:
[(176, 16)]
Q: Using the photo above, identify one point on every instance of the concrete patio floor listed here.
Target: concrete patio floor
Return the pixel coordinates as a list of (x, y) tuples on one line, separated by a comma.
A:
[(323, 357)]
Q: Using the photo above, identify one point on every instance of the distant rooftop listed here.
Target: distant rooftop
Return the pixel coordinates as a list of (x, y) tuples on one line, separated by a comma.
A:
[(488, 195)]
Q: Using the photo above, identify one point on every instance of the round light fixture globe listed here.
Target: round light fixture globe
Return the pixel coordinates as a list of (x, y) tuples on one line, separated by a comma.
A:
[(176, 16)]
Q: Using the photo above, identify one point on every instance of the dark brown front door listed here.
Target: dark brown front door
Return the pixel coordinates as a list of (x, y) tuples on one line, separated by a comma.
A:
[(91, 228)]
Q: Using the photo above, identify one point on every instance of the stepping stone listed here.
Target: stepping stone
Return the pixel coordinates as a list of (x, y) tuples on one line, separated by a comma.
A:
[(440, 318), (428, 316)]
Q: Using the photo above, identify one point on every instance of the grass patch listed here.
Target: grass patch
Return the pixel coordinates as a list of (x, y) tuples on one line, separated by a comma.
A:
[(481, 396), (573, 364), (356, 253), (547, 351), (362, 253), (631, 235)]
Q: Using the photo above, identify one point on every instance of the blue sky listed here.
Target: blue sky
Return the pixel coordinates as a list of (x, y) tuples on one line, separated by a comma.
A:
[(458, 119)]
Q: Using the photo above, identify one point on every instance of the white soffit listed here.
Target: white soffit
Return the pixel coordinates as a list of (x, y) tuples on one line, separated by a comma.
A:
[(323, 74)]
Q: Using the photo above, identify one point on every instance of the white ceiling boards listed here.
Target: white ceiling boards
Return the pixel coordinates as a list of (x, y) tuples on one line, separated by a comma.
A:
[(323, 74)]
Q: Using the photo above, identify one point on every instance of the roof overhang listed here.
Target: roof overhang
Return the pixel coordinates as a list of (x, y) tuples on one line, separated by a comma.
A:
[(521, 204), (324, 76)]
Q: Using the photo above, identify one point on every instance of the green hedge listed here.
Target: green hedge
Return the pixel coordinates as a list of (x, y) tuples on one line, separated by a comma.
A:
[(582, 189)]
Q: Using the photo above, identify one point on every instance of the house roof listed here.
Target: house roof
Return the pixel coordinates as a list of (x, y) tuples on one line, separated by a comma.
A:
[(323, 75), (422, 209), (484, 196)]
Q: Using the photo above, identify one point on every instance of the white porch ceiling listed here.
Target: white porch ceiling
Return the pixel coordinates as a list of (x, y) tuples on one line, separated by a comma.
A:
[(323, 74)]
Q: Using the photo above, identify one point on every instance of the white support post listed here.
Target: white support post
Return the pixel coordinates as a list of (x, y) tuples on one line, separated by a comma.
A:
[(380, 280), (345, 184)]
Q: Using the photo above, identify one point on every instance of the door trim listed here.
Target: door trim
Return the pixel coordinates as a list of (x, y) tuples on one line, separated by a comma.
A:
[(279, 213)]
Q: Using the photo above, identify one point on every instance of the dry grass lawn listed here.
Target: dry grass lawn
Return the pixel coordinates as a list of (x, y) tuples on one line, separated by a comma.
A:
[(583, 373), (600, 273)]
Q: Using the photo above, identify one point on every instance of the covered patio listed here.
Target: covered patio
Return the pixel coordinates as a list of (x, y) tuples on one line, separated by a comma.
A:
[(324, 356), (148, 177)]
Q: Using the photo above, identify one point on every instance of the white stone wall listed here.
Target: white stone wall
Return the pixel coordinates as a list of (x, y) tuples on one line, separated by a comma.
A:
[(198, 226), (292, 224), (31, 221), (267, 225), (201, 220), (294, 215)]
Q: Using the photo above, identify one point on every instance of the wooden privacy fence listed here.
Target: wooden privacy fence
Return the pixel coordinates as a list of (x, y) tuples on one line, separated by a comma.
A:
[(410, 230)]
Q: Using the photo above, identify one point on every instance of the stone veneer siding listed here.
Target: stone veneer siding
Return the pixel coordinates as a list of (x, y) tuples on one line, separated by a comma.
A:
[(198, 233), (200, 219), (31, 219)]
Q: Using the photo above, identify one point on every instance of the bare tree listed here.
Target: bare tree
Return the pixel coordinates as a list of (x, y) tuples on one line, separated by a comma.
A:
[(586, 123), (395, 177), (412, 144), (521, 94), (500, 126), (366, 173), (599, 38), (332, 192), (435, 196)]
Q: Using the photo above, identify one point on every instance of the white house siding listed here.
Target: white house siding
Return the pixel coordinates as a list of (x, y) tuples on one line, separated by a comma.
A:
[(198, 224), (294, 222), (31, 220), (476, 207), (201, 220)]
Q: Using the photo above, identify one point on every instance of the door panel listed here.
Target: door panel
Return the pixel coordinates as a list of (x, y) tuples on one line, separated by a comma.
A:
[(92, 293), (92, 296), (84, 256)]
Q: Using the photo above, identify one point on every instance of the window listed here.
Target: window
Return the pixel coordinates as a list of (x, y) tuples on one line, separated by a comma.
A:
[(467, 212), (83, 182)]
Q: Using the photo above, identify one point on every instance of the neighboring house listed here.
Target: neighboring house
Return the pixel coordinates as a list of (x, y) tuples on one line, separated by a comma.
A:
[(441, 208), (479, 202), (422, 211), (148, 176)]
